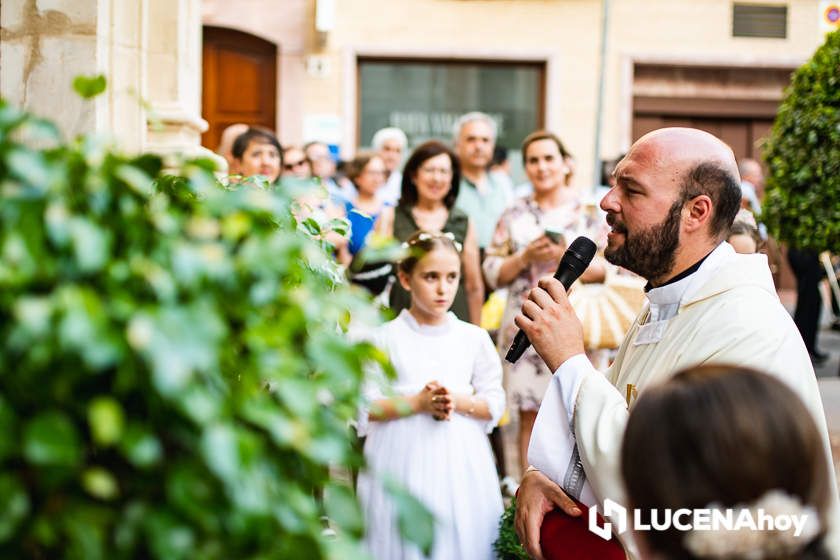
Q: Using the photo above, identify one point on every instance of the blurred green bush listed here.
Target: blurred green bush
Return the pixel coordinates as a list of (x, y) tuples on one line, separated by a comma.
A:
[(174, 379), (802, 202)]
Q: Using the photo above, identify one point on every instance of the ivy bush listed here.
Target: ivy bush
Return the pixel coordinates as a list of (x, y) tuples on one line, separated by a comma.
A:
[(507, 546), (174, 379), (802, 203)]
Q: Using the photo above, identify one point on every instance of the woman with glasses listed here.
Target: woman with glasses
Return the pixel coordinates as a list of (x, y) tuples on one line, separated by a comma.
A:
[(427, 202), (295, 163)]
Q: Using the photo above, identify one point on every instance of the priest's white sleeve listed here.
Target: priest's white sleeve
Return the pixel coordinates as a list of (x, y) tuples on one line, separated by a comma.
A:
[(553, 448), (599, 423), (577, 436)]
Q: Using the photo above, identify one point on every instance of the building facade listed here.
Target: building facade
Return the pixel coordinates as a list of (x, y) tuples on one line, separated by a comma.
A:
[(347, 67), (598, 72)]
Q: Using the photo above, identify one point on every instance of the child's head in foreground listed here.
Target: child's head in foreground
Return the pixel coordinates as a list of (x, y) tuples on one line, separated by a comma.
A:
[(718, 437)]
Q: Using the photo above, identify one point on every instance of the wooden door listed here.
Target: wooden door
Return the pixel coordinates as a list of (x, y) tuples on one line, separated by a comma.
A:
[(239, 81), (744, 135)]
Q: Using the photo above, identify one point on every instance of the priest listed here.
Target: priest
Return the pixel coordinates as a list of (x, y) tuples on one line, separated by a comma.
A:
[(676, 194)]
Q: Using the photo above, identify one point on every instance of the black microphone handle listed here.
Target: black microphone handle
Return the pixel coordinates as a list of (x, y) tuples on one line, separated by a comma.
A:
[(566, 276)]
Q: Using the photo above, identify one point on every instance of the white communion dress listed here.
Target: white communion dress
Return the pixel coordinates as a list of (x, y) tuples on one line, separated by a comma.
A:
[(448, 465)]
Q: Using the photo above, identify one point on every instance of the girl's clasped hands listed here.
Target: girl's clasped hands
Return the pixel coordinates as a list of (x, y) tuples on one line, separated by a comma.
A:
[(435, 399)]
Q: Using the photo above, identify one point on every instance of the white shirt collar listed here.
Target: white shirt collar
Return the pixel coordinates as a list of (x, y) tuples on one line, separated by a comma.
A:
[(412, 323), (665, 301)]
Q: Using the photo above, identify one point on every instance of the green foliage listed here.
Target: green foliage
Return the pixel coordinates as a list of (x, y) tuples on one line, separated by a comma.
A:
[(174, 382), (802, 204), (89, 86), (507, 546)]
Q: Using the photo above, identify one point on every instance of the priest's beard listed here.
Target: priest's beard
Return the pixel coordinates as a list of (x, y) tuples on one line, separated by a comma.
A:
[(649, 253)]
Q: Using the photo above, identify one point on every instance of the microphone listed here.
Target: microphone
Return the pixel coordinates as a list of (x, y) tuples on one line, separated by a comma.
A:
[(575, 260)]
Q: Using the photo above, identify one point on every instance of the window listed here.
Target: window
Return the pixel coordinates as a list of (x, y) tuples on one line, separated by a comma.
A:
[(759, 20), (424, 98)]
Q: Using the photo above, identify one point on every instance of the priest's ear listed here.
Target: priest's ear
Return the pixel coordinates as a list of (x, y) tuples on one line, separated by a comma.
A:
[(697, 213)]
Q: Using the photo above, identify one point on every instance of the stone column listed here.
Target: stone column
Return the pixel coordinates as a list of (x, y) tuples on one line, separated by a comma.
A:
[(149, 51), (174, 77)]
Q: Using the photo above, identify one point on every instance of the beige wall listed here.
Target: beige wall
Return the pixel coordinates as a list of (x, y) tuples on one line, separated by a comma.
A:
[(566, 34), (41, 51), (689, 32)]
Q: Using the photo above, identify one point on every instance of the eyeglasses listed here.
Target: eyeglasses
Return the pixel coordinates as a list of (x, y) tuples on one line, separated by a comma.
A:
[(291, 165), (436, 171)]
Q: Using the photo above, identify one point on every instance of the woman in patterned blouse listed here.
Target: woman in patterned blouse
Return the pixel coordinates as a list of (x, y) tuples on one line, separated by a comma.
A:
[(529, 241)]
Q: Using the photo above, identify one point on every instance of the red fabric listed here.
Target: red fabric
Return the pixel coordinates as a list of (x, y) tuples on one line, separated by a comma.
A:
[(563, 537)]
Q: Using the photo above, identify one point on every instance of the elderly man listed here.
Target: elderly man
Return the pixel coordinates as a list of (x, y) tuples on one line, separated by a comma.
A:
[(390, 143), (480, 196), (676, 193)]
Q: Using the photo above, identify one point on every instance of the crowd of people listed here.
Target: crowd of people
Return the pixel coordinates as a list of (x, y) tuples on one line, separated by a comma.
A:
[(678, 217)]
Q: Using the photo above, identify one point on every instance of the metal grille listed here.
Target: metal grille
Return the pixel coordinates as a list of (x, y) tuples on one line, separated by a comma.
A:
[(759, 20)]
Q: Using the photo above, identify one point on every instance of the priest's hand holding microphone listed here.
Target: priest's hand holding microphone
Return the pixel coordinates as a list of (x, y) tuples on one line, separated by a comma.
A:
[(548, 321)]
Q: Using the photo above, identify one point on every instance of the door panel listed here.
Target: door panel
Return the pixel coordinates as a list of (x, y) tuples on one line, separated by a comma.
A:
[(239, 81), (743, 135)]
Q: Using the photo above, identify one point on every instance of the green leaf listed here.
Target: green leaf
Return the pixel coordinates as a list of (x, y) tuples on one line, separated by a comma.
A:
[(221, 451), (29, 166), (299, 395), (91, 244), (85, 525), (50, 439), (169, 538), (14, 506), (178, 342), (100, 483), (89, 86), (141, 447), (33, 314), (105, 416), (415, 522), (135, 178), (41, 130), (311, 226), (343, 508)]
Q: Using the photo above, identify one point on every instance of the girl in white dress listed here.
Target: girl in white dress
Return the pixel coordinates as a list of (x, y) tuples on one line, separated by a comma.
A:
[(428, 431)]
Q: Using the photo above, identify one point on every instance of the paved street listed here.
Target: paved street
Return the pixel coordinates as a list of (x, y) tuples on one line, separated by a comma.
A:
[(829, 381)]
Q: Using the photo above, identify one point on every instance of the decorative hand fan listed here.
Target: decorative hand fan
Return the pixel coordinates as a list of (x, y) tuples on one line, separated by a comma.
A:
[(607, 310)]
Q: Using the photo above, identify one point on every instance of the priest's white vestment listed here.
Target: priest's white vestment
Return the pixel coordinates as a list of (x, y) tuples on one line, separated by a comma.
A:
[(726, 312)]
